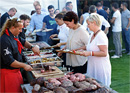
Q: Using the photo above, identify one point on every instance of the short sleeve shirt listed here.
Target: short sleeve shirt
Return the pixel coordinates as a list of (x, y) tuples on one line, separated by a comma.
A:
[(125, 18), (117, 23)]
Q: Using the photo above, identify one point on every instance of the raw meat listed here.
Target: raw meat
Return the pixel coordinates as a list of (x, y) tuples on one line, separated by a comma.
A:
[(60, 90), (66, 83), (81, 76), (55, 81), (49, 85)]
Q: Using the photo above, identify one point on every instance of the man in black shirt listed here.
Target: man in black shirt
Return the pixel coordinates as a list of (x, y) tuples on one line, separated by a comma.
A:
[(7, 15), (25, 19)]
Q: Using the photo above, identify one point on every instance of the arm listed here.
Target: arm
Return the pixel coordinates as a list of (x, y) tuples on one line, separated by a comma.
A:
[(106, 29), (35, 49), (44, 25), (81, 19), (54, 35), (31, 25), (128, 25), (60, 44), (106, 24), (113, 20), (101, 53), (17, 64)]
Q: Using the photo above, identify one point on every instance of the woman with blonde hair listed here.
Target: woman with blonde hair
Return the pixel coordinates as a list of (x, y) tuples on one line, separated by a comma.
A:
[(99, 66)]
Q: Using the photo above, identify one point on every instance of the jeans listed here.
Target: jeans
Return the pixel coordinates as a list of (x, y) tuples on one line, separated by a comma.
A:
[(117, 43), (126, 39)]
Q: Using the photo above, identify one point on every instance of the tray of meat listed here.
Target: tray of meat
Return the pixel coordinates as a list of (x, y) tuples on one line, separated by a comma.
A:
[(74, 83)]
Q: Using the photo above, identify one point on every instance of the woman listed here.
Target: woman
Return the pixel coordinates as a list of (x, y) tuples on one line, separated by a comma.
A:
[(11, 58), (99, 66), (63, 33), (78, 38), (63, 30)]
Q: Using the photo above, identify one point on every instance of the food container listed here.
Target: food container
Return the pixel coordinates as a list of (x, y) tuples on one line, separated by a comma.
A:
[(48, 61)]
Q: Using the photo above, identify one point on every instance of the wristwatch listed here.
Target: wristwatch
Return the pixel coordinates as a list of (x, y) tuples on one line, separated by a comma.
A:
[(32, 46)]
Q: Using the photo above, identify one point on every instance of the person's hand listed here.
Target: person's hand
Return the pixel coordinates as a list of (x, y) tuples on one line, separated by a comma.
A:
[(85, 53), (52, 36), (126, 29), (36, 50), (59, 54), (29, 34), (27, 68), (59, 44)]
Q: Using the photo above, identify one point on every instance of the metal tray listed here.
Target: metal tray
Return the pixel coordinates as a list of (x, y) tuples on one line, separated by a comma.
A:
[(50, 60)]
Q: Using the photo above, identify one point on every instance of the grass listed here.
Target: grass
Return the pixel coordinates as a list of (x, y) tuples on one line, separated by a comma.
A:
[(120, 72)]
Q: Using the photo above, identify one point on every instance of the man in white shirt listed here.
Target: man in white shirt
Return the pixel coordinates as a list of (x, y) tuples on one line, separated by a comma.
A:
[(92, 9), (116, 29)]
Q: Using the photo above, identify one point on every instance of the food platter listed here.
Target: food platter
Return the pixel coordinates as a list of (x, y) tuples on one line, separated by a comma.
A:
[(45, 60), (39, 30), (69, 51)]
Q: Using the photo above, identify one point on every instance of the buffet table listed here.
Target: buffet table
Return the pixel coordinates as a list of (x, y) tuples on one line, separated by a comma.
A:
[(48, 65)]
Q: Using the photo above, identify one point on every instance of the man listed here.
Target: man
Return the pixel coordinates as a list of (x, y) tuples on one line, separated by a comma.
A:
[(36, 22), (126, 26), (116, 29), (50, 23), (101, 11), (69, 6), (7, 15), (25, 19), (11, 58), (104, 22), (44, 11)]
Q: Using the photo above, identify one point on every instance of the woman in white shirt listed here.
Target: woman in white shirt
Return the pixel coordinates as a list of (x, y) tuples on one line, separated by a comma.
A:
[(63, 30), (99, 66), (78, 37), (63, 34)]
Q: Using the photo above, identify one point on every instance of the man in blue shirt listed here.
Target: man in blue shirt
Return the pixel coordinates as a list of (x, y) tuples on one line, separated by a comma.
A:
[(101, 12), (50, 23), (36, 23), (7, 15)]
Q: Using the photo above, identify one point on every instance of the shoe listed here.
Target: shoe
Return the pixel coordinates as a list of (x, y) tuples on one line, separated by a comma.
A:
[(120, 55), (115, 56), (128, 54)]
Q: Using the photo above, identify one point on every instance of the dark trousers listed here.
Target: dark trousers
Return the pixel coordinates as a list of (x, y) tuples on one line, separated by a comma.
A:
[(80, 69), (40, 38)]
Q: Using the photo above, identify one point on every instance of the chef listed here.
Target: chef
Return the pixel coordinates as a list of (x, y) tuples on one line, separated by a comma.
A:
[(11, 58)]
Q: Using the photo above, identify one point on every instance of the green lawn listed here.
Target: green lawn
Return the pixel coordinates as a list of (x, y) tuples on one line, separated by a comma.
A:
[(120, 72)]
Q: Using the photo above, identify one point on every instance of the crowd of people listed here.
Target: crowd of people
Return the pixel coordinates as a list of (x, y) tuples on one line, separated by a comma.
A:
[(87, 35)]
